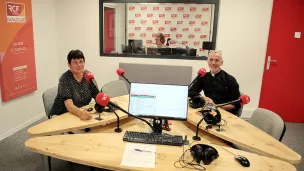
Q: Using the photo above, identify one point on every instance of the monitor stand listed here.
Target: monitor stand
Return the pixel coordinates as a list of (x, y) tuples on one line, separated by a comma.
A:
[(157, 125)]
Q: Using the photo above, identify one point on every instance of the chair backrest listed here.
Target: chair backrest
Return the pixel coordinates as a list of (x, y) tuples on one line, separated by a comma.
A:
[(115, 88), (269, 122), (48, 98)]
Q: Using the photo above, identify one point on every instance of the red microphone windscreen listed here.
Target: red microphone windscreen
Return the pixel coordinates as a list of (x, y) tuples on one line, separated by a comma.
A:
[(120, 71), (102, 99), (89, 76), (201, 72), (244, 99)]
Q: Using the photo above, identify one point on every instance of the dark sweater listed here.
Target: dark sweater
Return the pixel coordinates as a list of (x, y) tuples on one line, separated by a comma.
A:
[(221, 88)]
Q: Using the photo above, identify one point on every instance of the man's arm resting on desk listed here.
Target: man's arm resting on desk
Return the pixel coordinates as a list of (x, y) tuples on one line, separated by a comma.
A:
[(82, 114)]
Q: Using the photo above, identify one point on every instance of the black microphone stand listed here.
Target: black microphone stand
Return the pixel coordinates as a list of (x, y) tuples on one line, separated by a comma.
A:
[(196, 137), (118, 130), (99, 109)]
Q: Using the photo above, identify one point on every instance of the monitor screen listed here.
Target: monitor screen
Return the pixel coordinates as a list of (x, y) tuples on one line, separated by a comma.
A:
[(159, 101)]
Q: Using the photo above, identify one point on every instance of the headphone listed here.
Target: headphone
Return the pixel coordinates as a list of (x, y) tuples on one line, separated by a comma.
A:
[(210, 118), (196, 102), (203, 152)]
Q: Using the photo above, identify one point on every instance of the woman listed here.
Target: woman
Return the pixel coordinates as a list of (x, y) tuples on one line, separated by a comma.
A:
[(160, 40), (73, 89)]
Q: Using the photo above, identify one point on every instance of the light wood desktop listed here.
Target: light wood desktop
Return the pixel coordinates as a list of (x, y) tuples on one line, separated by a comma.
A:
[(104, 148)]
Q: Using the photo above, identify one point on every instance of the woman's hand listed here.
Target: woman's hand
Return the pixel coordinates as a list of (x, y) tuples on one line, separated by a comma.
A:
[(84, 115)]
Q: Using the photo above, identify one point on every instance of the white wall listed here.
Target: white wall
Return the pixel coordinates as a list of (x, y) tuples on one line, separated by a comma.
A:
[(242, 36), (20, 112)]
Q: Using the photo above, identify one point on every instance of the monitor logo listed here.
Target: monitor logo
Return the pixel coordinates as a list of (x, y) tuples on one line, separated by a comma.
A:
[(149, 15), (196, 43), (131, 21), (138, 15), (184, 42), (191, 36), (131, 34), (204, 23), (185, 29), (180, 8), (137, 28), (205, 9), (192, 8), (168, 8), (173, 28), (179, 22), (161, 15), (178, 36), (131, 8), (15, 12), (173, 15), (167, 35), (143, 8), (167, 22), (143, 21), (143, 35), (155, 21), (155, 8), (148, 41), (197, 29), (198, 16), (149, 28), (186, 16), (204, 36), (161, 28), (191, 22)]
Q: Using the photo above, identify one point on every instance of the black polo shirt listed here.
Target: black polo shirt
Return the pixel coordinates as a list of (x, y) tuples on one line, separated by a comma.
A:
[(221, 88), (69, 88)]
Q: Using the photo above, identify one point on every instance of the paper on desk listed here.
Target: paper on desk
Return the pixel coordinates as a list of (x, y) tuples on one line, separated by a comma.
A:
[(134, 158)]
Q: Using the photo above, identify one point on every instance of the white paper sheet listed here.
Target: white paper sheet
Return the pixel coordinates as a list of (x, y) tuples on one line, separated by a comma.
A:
[(144, 156)]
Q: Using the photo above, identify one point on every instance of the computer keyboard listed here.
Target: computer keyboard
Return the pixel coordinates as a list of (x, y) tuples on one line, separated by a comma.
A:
[(153, 138)]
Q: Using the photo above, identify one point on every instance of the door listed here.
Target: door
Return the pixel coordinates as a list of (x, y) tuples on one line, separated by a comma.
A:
[(282, 87), (109, 29)]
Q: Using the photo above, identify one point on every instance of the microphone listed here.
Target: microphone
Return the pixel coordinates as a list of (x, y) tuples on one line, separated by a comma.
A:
[(120, 72), (243, 99), (167, 44), (90, 77), (200, 73), (104, 100)]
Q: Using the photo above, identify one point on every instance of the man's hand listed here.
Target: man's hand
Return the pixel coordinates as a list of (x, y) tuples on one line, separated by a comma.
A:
[(84, 115), (208, 100)]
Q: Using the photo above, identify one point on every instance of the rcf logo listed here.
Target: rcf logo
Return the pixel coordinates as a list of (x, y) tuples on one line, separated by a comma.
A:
[(143, 35), (148, 41), (197, 29), (131, 34), (161, 15), (184, 42), (161, 28), (180, 8), (192, 8), (205, 9), (154, 35), (191, 36), (185, 29), (149, 28), (131, 21), (155, 21), (173, 15), (198, 16), (168, 8), (172, 42), (155, 8), (196, 43), (104, 97), (167, 22), (143, 8), (143, 21), (149, 15), (180, 22), (138, 15), (137, 28), (186, 15), (204, 36), (191, 22), (173, 28), (131, 8), (204, 23), (178, 36), (167, 35), (15, 12)]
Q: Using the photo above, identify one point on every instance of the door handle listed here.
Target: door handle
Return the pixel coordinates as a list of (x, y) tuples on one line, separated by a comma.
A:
[(269, 60)]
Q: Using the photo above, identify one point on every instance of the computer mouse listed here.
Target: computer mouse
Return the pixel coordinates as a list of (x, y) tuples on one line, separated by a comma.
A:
[(242, 160)]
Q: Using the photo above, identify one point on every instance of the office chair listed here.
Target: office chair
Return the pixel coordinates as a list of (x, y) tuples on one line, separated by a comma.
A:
[(48, 98), (115, 88)]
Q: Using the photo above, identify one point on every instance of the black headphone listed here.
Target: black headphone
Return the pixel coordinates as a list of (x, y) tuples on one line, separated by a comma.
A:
[(210, 118), (196, 102), (205, 153)]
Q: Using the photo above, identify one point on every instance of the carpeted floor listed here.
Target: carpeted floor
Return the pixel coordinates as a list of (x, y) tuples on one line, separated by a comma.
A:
[(14, 156)]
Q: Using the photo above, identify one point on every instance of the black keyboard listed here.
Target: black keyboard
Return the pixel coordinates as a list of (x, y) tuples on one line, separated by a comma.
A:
[(153, 138)]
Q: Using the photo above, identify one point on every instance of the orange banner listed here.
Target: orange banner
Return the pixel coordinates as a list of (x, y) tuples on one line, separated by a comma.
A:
[(17, 55)]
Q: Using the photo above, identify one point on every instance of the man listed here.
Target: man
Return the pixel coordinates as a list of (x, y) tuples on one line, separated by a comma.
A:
[(218, 86)]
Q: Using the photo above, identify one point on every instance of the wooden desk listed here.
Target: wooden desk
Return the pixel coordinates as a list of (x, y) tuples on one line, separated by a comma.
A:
[(244, 134), (105, 150), (69, 122)]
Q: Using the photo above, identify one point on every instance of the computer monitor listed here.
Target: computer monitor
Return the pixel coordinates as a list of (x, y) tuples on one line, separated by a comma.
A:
[(134, 42), (159, 101), (159, 51), (126, 49)]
